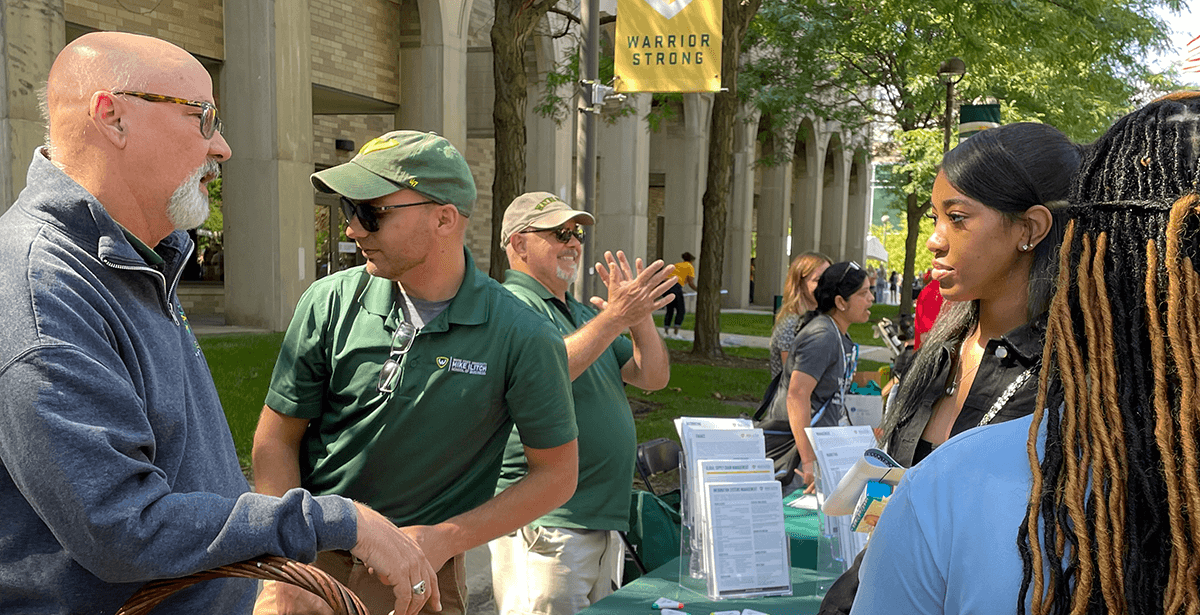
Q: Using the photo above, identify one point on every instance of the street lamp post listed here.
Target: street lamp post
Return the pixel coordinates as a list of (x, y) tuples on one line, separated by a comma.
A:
[(950, 72)]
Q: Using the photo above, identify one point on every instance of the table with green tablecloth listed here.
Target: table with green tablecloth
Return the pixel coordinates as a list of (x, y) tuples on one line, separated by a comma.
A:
[(663, 582), (801, 526)]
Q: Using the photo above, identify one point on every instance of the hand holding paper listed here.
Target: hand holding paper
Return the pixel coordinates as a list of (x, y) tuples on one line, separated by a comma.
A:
[(874, 465)]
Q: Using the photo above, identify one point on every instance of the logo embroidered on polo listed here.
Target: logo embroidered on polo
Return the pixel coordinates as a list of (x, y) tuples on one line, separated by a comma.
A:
[(463, 366), (443, 362)]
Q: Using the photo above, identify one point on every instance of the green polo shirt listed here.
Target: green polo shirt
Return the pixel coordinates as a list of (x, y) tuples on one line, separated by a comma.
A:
[(607, 438), (432, 448)]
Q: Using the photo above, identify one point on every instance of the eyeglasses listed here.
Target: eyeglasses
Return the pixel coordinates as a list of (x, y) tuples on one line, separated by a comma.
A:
[(209, 122), (851, 266), (392, 371), (368, 215), (562, 233)]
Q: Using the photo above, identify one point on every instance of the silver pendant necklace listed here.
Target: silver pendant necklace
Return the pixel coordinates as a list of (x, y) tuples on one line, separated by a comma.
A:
[(950, 390)]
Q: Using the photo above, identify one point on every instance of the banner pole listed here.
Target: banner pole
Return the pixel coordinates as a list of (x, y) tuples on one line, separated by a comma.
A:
[(585, 177)]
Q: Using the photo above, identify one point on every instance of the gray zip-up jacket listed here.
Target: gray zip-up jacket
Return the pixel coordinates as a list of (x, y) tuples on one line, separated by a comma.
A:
[(116, 463)]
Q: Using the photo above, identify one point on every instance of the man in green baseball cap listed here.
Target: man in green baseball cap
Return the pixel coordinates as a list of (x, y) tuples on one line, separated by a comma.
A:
[(399, 382)]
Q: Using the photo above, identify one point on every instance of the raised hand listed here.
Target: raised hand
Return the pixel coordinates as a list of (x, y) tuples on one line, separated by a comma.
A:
[(633, 297)]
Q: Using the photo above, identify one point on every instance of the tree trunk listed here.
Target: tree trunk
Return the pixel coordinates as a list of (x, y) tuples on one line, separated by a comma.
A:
[(735, 18), (914, 211), (513, 24)]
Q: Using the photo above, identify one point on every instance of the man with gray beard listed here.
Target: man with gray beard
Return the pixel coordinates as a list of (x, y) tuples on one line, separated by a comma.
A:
[(116, 464), (572, 556), (188, 207)]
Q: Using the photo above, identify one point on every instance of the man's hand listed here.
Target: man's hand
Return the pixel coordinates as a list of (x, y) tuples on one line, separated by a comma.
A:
[(279, 598), (397, 560), (633, 298), (432, 545)]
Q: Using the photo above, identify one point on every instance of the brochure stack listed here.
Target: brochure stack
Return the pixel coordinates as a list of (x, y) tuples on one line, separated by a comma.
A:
[(734, 544)]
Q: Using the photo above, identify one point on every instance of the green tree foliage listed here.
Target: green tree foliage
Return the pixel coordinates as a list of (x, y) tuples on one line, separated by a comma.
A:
[(1075, 64), (215, 224)]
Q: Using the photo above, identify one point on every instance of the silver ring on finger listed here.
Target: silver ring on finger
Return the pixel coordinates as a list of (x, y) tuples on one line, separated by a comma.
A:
[(419, 589)]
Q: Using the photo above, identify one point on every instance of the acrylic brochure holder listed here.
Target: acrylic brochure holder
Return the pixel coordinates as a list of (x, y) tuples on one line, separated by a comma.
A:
[(697, 573), (838, 545), (830, 561)]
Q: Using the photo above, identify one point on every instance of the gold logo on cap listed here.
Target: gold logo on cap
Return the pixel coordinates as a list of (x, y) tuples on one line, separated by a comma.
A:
[(546, 201), (377, 144)]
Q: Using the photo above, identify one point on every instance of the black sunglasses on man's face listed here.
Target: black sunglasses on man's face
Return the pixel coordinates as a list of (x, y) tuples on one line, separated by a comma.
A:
[(368, 215)]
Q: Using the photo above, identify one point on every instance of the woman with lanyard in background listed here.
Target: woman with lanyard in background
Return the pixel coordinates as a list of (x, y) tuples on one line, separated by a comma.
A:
[(820, 365), (997, 203)]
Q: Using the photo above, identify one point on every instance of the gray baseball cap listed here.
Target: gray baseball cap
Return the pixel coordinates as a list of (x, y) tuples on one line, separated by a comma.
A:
[(538, 210)]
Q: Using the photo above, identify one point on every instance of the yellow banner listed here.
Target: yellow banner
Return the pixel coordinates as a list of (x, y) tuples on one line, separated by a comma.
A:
[(668, 46)]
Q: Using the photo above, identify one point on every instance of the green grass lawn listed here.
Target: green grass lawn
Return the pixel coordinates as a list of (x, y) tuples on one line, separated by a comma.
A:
[(241, 367)]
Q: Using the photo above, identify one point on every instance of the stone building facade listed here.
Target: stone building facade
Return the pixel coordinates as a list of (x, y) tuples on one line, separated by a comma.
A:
[(302, 85)]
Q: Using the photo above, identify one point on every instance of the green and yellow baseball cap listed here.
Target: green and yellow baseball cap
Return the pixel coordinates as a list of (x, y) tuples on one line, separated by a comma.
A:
[(403, 160)]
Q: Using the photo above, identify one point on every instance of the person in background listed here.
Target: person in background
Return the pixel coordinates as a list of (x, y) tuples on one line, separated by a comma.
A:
[(997, 206), (881, 284), (572, 556), (685, 274), (751, 279), (929, 305), (400, 381), (1090, 503), (117, 463), (817, 375), (798, 300)]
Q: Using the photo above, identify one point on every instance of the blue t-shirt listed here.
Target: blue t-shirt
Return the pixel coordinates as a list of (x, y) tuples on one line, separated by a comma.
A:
[(947, 541)]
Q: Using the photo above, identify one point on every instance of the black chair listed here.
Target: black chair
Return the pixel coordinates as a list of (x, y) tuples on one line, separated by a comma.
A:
[(657, 456)]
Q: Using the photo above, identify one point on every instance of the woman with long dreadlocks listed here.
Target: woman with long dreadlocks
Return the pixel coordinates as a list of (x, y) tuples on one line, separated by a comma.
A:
[(994, 205), (1091, 505)]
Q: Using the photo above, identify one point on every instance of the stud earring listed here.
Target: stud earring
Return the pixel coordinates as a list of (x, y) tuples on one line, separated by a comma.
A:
[(1026, 247)]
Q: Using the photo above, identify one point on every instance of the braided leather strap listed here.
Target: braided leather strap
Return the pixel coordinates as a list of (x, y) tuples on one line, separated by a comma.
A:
[(266, 568)]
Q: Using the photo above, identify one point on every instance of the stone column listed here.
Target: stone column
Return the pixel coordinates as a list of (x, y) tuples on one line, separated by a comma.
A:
[(268, 200), (433, 92), (808, 191), (833, 202), (740, 221), (32, 34), (686, 176), (774, 212), (624, 183), (549, 144), (857, 186)]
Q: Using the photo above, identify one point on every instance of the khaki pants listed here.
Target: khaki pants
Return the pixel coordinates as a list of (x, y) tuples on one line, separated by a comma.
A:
[(554, 570), (375, 595)]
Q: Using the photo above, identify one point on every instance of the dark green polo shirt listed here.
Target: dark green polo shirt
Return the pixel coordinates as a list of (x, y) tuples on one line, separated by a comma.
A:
[(607, 438), (431, 449)]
